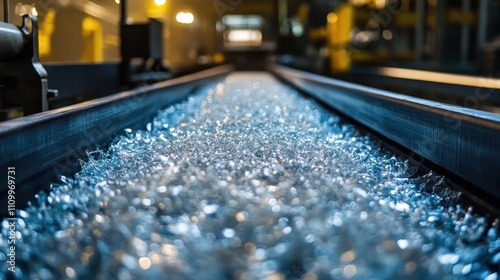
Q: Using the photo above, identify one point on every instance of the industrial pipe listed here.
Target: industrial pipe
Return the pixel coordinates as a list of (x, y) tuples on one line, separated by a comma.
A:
[(11, 42)]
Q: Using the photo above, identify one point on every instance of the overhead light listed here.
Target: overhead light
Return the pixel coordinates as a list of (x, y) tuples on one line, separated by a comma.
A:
[(160, 2), (117, 1), (242, 20), (185, 18), (94, 9), (244, 36), (387, 34), (332, 18)]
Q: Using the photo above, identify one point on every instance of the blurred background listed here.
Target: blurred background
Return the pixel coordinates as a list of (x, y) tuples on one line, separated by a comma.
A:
[(461, 36)]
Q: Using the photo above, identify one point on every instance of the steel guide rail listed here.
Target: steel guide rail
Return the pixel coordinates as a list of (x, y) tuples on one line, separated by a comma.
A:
[(52, 143), (463, 141), (474, 90)]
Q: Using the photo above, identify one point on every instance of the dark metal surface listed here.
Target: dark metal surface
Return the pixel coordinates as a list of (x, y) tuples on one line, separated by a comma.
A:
[(463, 89), (123, 12), (143, 41), (463, 141), (11, 42), (82, 81), (78, 82), (45, 145)]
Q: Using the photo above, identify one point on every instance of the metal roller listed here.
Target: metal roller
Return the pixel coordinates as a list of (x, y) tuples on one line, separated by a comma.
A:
[(11, 42)]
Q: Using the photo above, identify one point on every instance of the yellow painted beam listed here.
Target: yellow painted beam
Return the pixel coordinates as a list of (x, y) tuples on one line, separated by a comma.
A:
[(339, 27)]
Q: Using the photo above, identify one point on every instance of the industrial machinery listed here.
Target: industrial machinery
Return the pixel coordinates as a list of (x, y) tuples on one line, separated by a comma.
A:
[(144, 41), (23, 79), (427, 35)]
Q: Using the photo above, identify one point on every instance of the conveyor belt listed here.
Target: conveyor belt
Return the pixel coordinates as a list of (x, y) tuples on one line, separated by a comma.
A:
[(247, 179)]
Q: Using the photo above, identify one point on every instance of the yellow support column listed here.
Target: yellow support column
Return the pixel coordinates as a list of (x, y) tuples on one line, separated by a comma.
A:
[(92, 34), (339, 28)]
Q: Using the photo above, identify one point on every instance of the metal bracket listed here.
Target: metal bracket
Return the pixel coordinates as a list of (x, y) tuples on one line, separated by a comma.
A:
[(23, 80)]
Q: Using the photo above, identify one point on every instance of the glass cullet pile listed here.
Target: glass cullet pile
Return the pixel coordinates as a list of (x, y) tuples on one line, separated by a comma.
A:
[(249, 180)]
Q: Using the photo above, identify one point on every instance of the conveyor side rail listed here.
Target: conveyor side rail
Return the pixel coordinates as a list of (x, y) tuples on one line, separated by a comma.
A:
[(51, 143), (463, 141)]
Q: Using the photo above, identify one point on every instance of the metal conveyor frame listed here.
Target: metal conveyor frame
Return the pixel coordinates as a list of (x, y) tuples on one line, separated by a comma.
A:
[(463, 141), (48, 144)]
